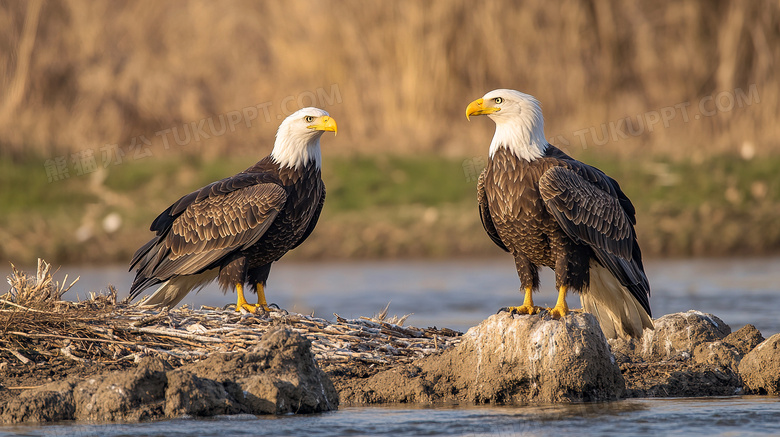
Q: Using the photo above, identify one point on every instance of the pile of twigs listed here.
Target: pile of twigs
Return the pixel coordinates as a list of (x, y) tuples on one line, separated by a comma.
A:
[(38, 325)]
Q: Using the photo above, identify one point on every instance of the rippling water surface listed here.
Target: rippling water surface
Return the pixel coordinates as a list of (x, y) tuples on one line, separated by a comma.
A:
[(733, 416), (459, 294)]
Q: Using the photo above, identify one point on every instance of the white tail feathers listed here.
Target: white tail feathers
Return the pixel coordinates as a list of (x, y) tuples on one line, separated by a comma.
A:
[(172, 291), (618, 312)]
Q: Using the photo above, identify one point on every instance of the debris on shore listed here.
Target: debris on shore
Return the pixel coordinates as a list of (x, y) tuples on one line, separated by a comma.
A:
[(103, 329), (105, 360), (167, 363)]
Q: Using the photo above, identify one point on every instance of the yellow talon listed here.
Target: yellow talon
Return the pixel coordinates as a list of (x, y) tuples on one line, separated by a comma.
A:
[(261, 303), (523, 309), (527, 307), (247, 306), (560, 309), (241, 302)]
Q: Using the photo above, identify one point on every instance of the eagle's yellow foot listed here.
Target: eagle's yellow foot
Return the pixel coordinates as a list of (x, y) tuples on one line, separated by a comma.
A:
[(558, 312), (527, 307), (255, 308), (560, 309), (246, 306), (522, 309), (260, 306)]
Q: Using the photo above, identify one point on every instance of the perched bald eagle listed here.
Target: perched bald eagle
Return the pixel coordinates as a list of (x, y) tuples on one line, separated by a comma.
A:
[(548, 209), (234, 229)]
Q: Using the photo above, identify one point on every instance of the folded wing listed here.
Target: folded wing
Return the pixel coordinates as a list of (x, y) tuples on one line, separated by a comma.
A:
[(197, 232), (590, 207)]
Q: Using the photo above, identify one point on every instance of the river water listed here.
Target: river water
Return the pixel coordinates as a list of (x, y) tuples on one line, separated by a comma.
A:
[(459, 294)]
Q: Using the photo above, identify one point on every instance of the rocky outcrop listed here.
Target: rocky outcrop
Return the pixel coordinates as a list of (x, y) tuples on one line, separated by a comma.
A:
[(675, 335), (760, 369), (688, 354), (51, 403), (135, 394), (507, 359), (537, 359), (744, 339), (280, 376)]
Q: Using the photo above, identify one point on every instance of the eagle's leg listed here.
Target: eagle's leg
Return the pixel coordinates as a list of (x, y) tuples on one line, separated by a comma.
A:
[(529, 280), (241, 302), (528, 304), (560, 309), (261, 302)]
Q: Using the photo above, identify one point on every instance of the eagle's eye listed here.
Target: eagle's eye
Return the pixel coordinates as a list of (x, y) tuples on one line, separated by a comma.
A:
[(498, 100), (308, 118)]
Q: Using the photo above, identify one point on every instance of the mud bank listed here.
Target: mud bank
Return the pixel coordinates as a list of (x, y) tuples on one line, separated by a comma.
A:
[(541, 360), (279, 376), (505, 359)]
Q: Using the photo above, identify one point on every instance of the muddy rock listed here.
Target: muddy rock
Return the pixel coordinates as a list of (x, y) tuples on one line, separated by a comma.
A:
[(279, 376), (674, 335), (188, 394), (688, 354), (760, 369), (507, 359), (744, 339), (718, 354), (729, 351), (130, 395), (135, 394), (680, 333), (50, 403), (679, 377)]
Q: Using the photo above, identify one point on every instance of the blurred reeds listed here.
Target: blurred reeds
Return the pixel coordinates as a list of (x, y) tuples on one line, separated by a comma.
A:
[(78, 75), (397, 75)]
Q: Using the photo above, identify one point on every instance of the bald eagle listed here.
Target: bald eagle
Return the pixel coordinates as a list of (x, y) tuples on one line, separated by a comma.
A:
[(234, 229), (548, 209)]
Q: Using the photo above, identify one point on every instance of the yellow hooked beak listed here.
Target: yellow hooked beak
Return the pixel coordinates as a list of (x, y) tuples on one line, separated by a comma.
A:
[(325, 123), (477, 107)]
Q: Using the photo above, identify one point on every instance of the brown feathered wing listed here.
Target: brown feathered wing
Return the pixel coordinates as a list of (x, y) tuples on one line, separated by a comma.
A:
[(590, 207), (201, 229)]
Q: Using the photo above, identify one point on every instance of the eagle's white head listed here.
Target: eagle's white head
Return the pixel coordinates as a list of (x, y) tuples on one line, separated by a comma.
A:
[(519, 122), (298, 138)]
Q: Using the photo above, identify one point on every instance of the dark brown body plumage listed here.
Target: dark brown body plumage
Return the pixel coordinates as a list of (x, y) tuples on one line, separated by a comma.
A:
[(238, 225), (558, 212)]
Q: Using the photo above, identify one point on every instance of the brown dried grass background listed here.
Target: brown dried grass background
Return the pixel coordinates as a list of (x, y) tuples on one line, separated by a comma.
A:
[(77, 74)]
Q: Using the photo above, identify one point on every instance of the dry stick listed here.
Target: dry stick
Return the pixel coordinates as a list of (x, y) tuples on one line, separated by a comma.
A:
[(365, 340), (168, 333), (101, 340), (149, 319), (21, 357), (21, 307)]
